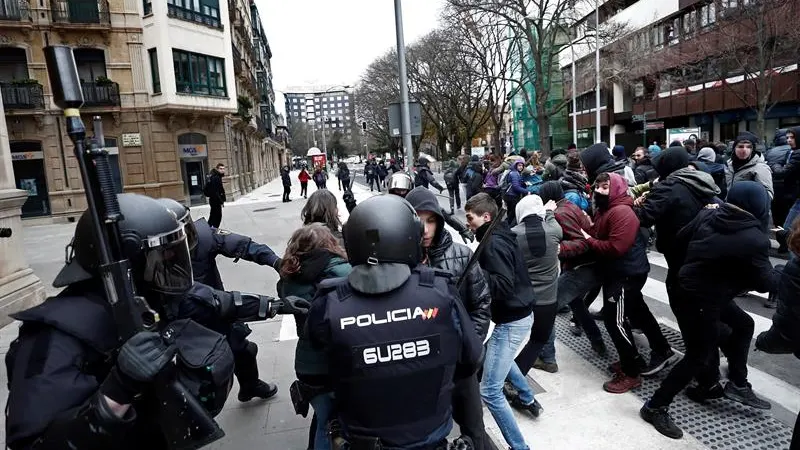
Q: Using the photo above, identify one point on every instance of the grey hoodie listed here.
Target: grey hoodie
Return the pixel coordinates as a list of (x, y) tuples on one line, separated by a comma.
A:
[(754, 170)]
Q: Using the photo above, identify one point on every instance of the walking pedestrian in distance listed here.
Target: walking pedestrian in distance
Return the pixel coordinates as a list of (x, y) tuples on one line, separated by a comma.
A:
[(215, 191)]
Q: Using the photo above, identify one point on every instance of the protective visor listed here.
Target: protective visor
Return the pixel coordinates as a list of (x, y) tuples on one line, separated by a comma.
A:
[(168, 264)]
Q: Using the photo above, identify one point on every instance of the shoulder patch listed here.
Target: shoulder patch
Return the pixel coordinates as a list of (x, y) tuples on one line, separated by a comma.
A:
[(222, 232)]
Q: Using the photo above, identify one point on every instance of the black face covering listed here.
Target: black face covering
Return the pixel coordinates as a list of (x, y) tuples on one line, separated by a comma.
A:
[(600, 201)]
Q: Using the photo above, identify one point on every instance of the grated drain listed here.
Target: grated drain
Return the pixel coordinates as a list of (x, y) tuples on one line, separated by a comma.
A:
[(719, 424)]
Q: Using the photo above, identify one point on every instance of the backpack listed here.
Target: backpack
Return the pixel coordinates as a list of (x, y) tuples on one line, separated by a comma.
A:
[(504, 182), (449, 177), (344, 173)]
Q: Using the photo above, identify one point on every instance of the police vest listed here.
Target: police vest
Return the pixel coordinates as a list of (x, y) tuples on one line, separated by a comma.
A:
[(393, 357)]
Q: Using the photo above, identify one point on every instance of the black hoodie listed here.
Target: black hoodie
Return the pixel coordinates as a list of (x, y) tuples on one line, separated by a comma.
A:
[(597, 159), (507, 274), (452, 257), (727, 252)]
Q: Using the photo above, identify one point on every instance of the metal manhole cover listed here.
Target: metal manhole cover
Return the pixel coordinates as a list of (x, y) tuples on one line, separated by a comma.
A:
[(719, 424)]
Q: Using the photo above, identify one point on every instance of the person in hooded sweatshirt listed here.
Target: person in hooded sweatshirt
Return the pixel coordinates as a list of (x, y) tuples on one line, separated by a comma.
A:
[(727, 252), (785, 194), (746, 163), (708, 157), (789, 174), (597, 159), (672, 203), (440, 252), (538, 238), (620, 246), (512, 304), (424, 176), (516, 190)]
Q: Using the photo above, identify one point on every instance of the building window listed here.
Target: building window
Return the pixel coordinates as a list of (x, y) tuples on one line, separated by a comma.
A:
[(204, 12), (708, 14), (148, 7), (199, 74), (689, 23), (153, 55)]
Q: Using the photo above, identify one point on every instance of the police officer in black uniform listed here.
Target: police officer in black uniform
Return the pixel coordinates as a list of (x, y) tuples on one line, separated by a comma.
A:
[(72, 384), (208, 303), (395, 332)]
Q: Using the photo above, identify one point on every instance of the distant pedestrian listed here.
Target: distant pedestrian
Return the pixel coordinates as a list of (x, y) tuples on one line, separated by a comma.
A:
[(215, 191), (287, 183), (304, 177), (320, 178), (343, 175)]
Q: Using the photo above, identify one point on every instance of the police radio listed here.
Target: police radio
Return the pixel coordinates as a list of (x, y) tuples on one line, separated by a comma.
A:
[(184, 422)]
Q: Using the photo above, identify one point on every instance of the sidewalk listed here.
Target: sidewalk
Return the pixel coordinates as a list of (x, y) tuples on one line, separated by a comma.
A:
[(578, 414)]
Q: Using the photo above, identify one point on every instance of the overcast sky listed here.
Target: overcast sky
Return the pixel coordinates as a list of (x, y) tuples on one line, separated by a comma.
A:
[(333, 41)]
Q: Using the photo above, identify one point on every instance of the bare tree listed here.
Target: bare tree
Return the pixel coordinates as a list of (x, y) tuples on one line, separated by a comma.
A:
[(379, 86), (539, 31), (452, 94), (301, 137), (751, 41)]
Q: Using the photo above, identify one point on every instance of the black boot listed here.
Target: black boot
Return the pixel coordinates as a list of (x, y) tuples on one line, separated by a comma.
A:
[(259, 389)]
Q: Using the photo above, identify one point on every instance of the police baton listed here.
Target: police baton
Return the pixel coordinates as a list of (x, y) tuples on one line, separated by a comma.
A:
[(481, 247)]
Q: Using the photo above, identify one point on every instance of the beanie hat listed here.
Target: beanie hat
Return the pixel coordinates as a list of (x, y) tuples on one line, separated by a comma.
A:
[(747, 137)]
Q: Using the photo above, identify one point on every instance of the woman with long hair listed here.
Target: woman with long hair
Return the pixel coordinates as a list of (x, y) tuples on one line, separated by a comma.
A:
[(323, 207), (312, 255)]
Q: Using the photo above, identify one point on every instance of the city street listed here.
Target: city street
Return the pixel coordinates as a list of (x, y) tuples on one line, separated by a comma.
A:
[(577, 412)]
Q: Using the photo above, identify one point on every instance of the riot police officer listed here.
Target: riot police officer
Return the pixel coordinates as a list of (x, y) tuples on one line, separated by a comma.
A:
[(395, 333), (210, 305), (73, 384), (212, 242)]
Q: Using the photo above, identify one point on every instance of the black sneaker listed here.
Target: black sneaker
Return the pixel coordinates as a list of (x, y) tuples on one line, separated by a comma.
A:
[(700, 394), (575, 329), (658, 362), (599, 347), (745, 396), (509, 391), (772, 301), (534, 407), (661, 420), (260, 389)]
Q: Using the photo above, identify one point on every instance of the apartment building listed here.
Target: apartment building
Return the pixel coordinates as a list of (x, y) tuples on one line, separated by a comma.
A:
[(330, 109), (685, 63), (161, 77)]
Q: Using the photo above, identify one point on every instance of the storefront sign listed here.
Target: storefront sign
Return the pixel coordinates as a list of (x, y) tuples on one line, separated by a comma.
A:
[(192, 150), (25, 156), (131, 139), (682, 134)]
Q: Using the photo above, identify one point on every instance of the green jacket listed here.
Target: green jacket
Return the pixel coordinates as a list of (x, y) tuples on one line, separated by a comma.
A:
[(307, 360)]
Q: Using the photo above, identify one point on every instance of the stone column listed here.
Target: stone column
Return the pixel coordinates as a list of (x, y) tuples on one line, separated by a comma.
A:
[(19, 287)]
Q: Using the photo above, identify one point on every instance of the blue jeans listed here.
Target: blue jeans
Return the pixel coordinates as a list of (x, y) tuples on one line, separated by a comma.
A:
[(548, 353), (501, 348), (323, 407)]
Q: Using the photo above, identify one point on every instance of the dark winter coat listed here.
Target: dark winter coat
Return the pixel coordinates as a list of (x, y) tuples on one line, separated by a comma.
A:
[(674, 201), (597, 159), (786, 173), (505, 271), (315, 267), (727, 252), (285, 179), (453, 257), (215, 190), (615, 232), (644, 171)]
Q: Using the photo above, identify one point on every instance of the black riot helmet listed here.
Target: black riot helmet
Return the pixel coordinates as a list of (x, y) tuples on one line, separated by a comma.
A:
[(152, 239), (381, 230), (183, 213)]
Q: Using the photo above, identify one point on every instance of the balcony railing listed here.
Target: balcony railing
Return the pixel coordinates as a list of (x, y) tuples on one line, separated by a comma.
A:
[(100, 94), (177, 12), (237, 60), (81, 11), (16, 10), (261, 126), (22, 96)]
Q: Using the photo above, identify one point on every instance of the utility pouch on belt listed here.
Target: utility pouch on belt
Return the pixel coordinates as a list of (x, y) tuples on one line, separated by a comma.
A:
[(300, 403)]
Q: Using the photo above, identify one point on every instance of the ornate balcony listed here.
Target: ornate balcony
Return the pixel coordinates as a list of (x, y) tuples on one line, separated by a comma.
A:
[(100, 93), (81, 12), (27, 95)]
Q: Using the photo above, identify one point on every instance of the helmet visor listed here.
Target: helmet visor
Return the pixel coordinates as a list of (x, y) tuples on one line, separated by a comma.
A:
[(168, 267), (191, 232)]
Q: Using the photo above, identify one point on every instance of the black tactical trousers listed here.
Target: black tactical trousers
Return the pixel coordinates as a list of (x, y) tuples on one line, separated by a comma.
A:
[(244, 354), (468, 410)]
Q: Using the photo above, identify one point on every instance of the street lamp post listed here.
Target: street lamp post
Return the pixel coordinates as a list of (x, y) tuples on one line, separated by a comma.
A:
[(597, 68), (401, 62)]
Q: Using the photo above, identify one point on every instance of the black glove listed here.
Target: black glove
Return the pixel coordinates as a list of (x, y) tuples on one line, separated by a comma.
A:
[(467, 235), (289, 305), (140, 359)]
